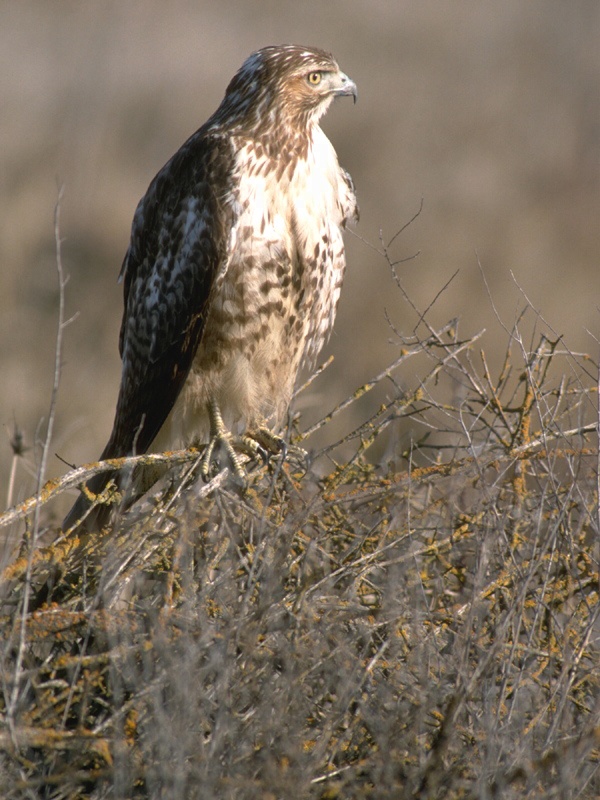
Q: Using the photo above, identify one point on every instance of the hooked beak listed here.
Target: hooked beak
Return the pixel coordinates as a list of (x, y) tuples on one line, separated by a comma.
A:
[(345, 86)]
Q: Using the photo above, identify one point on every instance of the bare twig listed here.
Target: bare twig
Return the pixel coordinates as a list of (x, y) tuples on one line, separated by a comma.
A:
[(62, 281), (80, 475)]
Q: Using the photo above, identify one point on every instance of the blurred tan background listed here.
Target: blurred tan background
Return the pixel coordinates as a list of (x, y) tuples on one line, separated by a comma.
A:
[(486, 110)]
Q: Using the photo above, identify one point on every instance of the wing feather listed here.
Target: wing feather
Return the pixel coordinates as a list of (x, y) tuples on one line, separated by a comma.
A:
[(178, 246)]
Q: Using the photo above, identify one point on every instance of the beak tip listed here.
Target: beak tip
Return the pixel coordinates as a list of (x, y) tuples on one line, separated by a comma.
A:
[(353, 90), (346, 87)]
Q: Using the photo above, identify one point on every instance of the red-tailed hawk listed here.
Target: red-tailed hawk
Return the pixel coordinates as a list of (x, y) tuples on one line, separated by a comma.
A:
[(236, 260)]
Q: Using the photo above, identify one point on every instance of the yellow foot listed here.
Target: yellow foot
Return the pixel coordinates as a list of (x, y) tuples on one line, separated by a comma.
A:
[(270, 444), (224, 447), (223, 450)]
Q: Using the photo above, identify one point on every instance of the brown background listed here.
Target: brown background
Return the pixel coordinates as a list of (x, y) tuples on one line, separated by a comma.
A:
[(487, 110)]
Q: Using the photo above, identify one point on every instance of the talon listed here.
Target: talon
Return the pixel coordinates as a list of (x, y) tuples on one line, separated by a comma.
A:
[(220, 437), (260, 443), (253, 448), (269, 442)]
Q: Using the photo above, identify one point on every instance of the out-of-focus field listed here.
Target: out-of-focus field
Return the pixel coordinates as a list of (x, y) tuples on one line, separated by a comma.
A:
[(487, 111)]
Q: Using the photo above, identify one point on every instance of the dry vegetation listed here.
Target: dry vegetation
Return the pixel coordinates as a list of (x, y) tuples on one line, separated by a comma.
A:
[(427, 627)]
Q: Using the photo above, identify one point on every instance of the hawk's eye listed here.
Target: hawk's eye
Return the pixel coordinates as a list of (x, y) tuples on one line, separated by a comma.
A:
[(314, 78)]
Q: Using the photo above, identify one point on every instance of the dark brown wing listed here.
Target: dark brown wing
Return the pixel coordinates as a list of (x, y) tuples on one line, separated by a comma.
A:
[(179, 240), (178, 244)]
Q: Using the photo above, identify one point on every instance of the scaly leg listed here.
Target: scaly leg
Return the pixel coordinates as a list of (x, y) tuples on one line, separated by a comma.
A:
[(222, 439), (258, 443)]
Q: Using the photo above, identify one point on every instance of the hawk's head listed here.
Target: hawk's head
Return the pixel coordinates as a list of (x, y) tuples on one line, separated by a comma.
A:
[(286, 84)]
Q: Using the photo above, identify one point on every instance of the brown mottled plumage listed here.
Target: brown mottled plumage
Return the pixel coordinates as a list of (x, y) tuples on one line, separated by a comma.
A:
[(236, 259)]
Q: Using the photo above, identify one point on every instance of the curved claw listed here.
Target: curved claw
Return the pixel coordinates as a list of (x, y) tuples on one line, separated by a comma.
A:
[(259, 443), (268, 442)]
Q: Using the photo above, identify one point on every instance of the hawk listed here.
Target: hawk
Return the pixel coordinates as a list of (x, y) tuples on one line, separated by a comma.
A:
[(235, 264)]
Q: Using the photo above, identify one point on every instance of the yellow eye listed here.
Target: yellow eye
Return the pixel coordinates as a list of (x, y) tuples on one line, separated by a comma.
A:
[(314, 78)]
